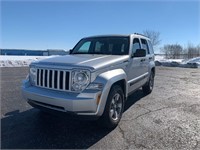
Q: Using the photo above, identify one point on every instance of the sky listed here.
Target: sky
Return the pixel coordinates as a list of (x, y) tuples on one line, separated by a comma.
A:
[(61, 24)]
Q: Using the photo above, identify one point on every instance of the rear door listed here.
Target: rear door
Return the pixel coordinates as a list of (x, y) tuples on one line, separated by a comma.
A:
[(145, 46), (145, 64), (136, 67)]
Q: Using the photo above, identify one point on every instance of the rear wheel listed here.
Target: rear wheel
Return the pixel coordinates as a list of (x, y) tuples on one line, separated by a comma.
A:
[(114, 108), (148, 87)]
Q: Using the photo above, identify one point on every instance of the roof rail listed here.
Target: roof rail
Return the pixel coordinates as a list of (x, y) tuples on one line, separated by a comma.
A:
[(141, 34)]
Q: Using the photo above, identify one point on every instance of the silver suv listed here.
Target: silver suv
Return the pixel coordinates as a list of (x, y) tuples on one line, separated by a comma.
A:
[(95, 79)]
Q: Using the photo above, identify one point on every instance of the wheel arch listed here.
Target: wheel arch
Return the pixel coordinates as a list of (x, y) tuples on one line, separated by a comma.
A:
[(122, 84), (153, 70), (110, 78)]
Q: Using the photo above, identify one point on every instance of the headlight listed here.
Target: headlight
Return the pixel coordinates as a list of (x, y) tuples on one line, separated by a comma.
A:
[(32, 75), (80, 80)]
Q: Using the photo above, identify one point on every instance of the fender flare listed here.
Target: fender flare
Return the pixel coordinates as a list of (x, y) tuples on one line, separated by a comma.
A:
[(108, 79)]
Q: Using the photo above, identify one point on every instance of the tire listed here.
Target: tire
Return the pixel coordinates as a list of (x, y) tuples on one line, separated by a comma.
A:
[(148, 87), (114, 108)]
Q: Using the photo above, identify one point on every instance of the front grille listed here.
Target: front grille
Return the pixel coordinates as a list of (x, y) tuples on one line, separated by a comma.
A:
[(53, 79)]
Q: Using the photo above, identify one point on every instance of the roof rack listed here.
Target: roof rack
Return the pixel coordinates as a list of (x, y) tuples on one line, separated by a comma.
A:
[(141, 34)]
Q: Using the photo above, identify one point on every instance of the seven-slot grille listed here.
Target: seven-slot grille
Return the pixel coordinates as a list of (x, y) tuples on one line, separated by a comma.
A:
[(53, 79)]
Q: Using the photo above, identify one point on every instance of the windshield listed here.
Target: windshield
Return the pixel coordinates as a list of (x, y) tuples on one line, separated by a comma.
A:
[(103, 45)]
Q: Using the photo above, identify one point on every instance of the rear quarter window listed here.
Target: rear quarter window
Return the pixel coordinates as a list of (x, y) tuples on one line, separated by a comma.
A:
[(150, 47)]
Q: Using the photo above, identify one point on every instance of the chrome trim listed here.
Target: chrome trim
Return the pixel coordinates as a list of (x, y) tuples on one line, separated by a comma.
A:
[(41, 76), (53, 74), (48, 73), (58, 80), (64, 79), (39, 82)]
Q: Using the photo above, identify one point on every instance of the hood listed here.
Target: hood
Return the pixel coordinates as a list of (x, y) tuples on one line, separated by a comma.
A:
[(90, 61)]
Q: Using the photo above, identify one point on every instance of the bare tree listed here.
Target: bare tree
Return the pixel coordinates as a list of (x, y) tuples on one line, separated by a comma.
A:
[(173, 51), (154, 36), (193, 51)]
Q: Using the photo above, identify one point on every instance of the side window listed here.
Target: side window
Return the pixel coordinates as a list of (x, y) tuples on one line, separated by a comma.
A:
[(99, 46), (145, 45), (136, 45), (85, 47), (150, 47)]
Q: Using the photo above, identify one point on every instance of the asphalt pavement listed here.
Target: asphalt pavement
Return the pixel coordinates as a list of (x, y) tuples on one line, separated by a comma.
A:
[(168, 118)]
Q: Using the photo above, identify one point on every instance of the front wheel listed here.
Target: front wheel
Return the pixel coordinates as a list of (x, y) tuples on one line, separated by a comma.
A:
[(114, 108), (148, 87)]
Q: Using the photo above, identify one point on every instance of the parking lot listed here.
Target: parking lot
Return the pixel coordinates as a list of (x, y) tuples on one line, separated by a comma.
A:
[(169, 118)]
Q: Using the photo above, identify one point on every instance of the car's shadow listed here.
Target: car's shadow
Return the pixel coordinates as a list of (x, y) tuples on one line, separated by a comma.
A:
[(33, 129)]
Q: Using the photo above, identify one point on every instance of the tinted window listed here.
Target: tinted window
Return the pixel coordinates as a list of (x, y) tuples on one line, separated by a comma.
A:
[(145, 45), (136, 45), (150, 47), (98, 46), (103, 45)]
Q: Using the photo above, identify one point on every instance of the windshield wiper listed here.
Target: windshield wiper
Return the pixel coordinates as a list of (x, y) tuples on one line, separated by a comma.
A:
[(79, 53)]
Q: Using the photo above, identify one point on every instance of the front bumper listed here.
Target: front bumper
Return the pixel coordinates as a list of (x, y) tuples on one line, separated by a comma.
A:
[(86, 103)]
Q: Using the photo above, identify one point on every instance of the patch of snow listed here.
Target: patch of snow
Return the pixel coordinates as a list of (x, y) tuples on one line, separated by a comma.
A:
[(19, 61), (190, 63), (161, 58), (193, 60)]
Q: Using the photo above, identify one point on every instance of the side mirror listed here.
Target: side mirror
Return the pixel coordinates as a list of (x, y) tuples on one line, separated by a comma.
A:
[(140, 53), (70, 51)]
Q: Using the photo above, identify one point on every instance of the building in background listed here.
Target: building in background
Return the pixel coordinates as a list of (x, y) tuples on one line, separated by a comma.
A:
[(24, 52), (56, 52)]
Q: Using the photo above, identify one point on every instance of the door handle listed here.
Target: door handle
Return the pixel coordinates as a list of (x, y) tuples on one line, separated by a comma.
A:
[(150, 58), (142, 60)]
